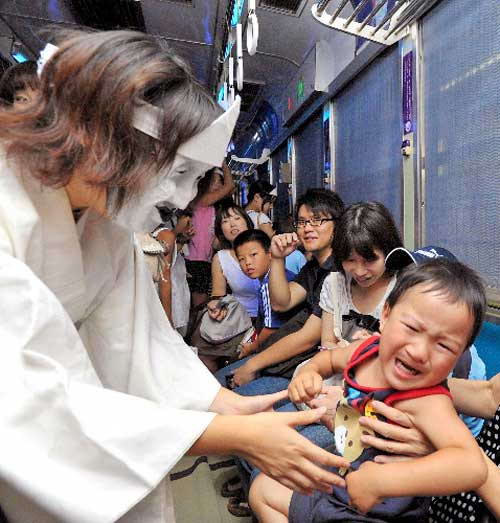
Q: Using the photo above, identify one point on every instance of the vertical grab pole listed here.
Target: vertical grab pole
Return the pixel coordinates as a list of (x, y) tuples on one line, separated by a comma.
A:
[(252, 29), (239, 57), (231, 80)]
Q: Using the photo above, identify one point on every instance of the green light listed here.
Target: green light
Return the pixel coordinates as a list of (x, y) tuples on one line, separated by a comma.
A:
[(300, 89)]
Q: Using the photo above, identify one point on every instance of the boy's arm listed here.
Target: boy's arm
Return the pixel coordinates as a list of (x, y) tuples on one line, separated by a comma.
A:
[(308, 382), (476, 397), (456, 466), (285, 348), (329, 362), (284, 294), (253, 346), (491, 488)]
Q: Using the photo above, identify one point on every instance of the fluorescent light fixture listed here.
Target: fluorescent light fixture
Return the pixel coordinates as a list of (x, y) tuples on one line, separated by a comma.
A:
[(17, 52)]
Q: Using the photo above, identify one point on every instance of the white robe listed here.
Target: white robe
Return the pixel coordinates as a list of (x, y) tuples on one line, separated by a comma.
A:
[(91, 420)]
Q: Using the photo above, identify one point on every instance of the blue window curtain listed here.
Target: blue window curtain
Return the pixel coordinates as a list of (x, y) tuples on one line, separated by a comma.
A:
[(368, 136), (461, 46)]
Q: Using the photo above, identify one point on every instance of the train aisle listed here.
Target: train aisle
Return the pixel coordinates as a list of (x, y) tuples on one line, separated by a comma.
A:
[(196, 486)]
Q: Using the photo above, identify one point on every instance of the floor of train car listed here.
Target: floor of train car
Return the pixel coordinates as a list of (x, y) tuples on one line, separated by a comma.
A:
[(196, 484)]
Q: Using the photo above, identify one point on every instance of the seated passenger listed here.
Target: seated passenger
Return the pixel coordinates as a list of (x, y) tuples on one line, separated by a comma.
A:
[(230, 221), (252, 249), (469, 366), (352, 299), (260, 202), (344, 299), (432, 315), (227, 274), (316, 213)]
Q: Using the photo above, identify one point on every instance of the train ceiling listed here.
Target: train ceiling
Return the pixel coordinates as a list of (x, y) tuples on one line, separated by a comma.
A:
[(194, 28)]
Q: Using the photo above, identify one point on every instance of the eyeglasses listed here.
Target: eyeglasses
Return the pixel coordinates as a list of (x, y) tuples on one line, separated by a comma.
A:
[(313, 222)]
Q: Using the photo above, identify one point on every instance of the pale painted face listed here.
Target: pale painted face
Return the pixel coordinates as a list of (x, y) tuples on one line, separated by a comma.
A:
[(423, 336), (232, 225), (314, 239), (254, 260), (365, 272), (180, 183), (174, 187)]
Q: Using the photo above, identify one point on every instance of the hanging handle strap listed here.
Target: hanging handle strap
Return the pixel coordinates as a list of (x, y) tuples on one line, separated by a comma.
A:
[(239, 57), (252, 29)]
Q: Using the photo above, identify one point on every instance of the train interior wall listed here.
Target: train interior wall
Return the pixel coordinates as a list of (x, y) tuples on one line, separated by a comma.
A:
[(455, 200)]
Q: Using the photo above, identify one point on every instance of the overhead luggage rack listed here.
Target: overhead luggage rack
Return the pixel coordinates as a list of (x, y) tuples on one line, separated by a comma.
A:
[(363, 20)]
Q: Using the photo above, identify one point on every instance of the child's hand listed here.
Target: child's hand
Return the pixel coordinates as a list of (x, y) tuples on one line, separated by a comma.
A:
[(361, 334), (305, 386), (362, 486), (245, 349), (244, 374)]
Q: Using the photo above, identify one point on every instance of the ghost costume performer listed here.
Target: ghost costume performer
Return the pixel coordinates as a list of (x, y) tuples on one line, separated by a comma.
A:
[(100, 396), (324, 508)]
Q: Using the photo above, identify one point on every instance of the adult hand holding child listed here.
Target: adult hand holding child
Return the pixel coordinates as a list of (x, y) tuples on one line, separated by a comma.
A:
[(398, 436), (286, 456)]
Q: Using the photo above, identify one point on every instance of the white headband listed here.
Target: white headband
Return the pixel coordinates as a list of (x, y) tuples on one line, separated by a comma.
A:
[(209, 146)]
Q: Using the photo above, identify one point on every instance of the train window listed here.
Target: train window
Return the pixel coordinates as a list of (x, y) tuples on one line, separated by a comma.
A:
[(368, 135), (461, 69)]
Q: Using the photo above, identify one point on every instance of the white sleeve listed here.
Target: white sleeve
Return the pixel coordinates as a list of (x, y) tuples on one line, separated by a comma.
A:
[(70, 447), (263, 218), (325, 298), (333, 299)]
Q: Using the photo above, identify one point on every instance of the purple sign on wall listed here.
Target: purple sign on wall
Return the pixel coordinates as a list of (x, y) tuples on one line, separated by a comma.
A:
[(408, 92)]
